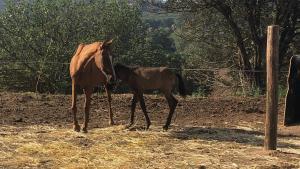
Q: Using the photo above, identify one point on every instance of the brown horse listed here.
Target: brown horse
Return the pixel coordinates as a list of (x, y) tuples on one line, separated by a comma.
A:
[(292, 108), (140, 79), (91, 66)]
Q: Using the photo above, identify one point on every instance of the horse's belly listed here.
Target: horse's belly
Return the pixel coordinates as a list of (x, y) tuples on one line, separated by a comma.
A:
[(150, 85)]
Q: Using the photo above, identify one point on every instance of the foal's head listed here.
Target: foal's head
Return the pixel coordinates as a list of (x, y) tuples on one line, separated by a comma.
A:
[(107, 61), (122, 72), (295, 66)]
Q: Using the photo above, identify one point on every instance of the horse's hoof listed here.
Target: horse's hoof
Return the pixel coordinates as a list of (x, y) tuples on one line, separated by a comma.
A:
[(84, 130), (165, 128), (128, 126), (112, 123), (76, 128)]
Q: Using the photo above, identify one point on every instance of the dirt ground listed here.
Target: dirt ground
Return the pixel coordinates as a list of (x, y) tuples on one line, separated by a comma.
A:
[(228, 132)]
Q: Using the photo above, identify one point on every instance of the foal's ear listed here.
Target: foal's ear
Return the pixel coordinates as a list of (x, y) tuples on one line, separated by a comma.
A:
[(107, 43)]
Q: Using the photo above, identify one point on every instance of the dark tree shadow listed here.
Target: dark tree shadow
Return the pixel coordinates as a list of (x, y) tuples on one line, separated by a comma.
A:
[(252, 138)]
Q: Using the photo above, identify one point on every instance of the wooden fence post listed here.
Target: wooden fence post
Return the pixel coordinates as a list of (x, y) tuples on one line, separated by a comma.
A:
[(272, 88)]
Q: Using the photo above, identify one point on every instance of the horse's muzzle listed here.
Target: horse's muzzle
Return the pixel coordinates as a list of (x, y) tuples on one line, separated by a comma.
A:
[(112, 85)]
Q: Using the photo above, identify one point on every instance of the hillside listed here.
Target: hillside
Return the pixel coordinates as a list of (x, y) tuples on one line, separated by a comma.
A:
[(1, 4)]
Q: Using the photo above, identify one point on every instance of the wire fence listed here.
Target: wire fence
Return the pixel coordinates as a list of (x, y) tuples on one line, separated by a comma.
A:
[(187, 69), (54, 77)]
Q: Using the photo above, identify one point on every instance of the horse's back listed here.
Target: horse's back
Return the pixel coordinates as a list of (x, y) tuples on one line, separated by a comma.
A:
[(83, 54), (154, 77), (151, 73)]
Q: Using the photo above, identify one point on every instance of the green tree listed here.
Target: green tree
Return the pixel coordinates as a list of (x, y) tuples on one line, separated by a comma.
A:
[(156, 49), (48, 32), (244, 23)]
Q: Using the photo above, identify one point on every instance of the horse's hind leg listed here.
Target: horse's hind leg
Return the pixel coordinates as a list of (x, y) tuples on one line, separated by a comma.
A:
[(143, 106), (111, 116), (133, 106), (74, 108), (88, 92), (172, 101)]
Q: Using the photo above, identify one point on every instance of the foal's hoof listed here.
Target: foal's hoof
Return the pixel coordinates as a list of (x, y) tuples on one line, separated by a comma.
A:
[(112, 123), (128, 125), (76, 128), (165, 128), (84, 130)]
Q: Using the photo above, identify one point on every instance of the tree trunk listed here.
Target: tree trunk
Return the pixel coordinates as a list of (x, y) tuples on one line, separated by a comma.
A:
[(259, 67)]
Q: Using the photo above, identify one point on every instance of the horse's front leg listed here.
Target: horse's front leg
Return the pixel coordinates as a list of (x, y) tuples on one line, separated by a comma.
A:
[(108, 93), (88, 92)]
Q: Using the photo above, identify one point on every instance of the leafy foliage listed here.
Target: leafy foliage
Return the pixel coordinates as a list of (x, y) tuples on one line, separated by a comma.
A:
[(223, 29), (38, 38)]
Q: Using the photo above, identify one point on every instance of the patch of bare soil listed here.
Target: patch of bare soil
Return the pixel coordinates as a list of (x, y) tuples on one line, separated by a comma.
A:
[(36, 132)]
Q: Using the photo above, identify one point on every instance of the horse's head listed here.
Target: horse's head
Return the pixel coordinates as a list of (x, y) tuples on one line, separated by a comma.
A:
[(107, 61), (122, 72), (297, 64), (294, 73)]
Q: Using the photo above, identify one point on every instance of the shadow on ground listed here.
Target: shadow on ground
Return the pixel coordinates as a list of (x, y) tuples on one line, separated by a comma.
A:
[(252, 138)]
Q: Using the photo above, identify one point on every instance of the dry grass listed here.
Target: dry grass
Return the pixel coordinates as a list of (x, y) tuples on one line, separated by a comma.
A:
[(115, 147)]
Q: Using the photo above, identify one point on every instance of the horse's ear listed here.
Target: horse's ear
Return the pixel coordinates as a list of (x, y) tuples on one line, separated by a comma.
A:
[(107, 43)]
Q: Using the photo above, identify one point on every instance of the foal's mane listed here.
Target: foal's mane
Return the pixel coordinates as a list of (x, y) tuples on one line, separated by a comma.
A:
[(125, 67)]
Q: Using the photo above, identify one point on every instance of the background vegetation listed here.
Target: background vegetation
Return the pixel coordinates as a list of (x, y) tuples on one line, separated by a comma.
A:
[(38, 38)]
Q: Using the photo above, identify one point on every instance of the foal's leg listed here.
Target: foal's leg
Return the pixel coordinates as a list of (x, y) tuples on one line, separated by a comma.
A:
[(172, 101), (133, 106), (74, 108), (143, 106), (88, 92), (111, 120)]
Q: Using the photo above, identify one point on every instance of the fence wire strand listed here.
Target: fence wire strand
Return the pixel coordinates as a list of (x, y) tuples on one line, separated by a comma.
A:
[(200, 80), (183, 69)]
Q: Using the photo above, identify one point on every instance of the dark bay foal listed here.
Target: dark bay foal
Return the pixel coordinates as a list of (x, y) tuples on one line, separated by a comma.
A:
[(140, 79)]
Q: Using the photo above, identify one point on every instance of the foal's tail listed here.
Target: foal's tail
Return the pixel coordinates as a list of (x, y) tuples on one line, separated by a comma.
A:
[(181, 86)]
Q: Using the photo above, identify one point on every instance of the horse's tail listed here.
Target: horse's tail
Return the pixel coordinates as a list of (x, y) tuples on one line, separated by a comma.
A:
[(181, 86)]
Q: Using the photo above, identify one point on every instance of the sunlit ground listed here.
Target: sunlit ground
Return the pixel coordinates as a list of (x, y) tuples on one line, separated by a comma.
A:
[(115, 147)]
